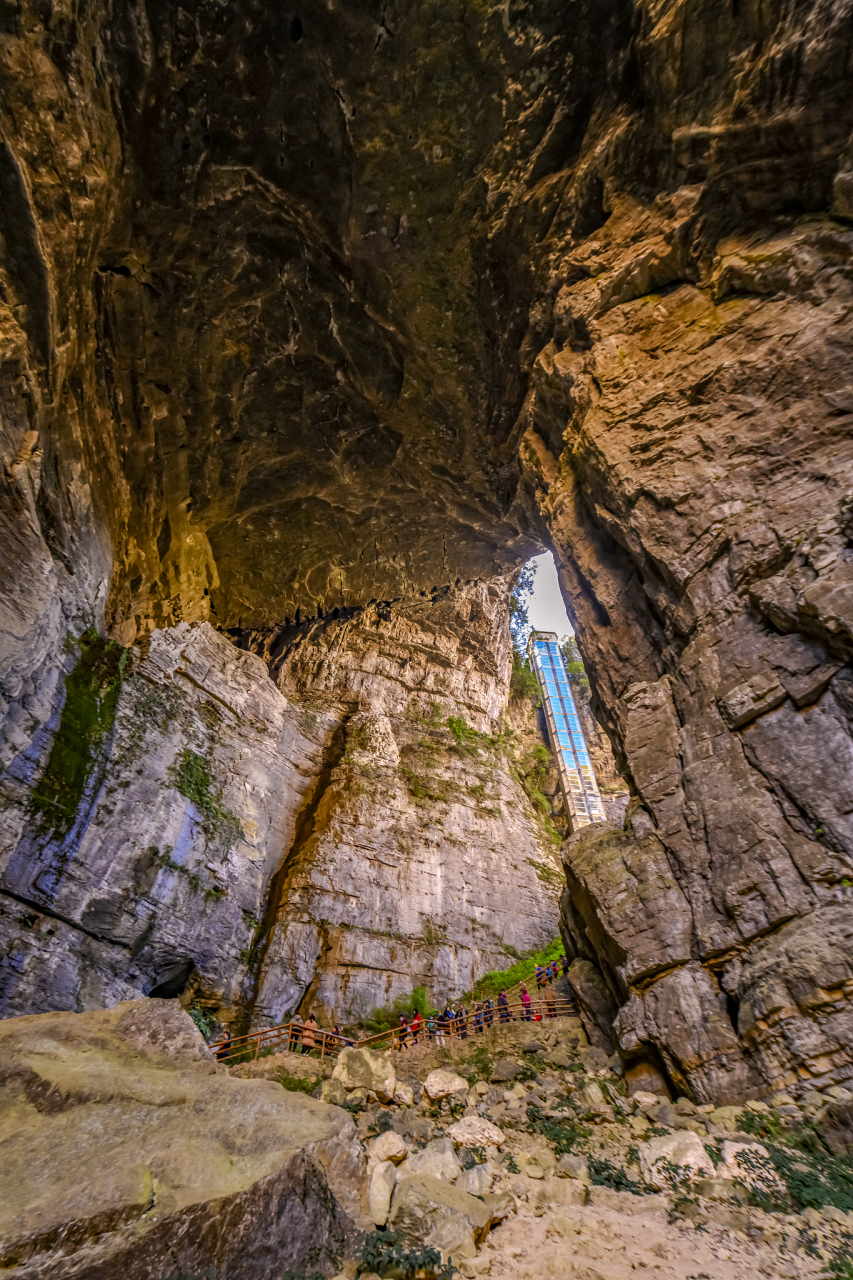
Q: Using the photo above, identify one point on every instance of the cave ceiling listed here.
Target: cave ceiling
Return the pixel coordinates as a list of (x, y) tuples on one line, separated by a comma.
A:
[(275, 277)]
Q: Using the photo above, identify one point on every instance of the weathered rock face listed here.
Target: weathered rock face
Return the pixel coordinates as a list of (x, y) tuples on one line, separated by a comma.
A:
[(424, 858), (189, 827), (128, 1151), (301, 312)]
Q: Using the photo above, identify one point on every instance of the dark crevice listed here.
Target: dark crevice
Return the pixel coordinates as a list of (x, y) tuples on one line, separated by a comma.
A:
[(39, 909), (304, 831)]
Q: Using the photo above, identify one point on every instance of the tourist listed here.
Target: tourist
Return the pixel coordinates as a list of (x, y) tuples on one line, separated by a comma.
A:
[(309, 1033), (295, 1034), (432, 1027), (415, 1025), (490, 1011), (525, 1004), (403, 1032), (224, 1047), (478, 1018), (540, 977), (564, 964), (462, 1022), (503, 1007)]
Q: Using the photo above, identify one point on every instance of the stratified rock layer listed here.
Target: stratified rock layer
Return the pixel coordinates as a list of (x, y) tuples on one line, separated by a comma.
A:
[(189, 828)]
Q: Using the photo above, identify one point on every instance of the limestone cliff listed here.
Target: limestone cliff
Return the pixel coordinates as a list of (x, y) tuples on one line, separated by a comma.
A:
[(306, 312), (188, 825)]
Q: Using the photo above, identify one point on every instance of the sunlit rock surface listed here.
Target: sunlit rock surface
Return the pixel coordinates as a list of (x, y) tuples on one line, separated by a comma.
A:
[(304, 313)]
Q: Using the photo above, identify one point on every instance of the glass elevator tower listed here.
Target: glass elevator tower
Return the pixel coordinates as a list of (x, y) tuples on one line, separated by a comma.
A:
[(580, 790)]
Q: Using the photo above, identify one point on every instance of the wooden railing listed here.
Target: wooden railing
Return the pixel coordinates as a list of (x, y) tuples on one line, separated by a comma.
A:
[(296, 1037)]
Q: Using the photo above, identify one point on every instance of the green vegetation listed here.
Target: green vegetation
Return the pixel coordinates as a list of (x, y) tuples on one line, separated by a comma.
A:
[(522, 682), (563, 1136), (88, 715), (205, 1021), (522, 971), (388, 1017), (574, 663), (761, 1124), (192, 778), (603, 1174), (423, 788), (814, 1178), (295, 1084), (383, 1253)]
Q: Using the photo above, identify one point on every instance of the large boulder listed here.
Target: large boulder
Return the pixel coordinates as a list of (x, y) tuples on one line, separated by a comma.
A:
[(431, 1213), (128, 1151), (437, 1159), (837, 1127), (681, 1151), (362, 1069), (444, 1084), (475, 1131)]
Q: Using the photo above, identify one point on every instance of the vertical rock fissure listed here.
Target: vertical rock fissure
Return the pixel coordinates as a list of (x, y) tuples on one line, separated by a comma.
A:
[(304, 830)]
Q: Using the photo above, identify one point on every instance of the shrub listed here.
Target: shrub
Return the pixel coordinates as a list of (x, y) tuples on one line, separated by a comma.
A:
[(523, 971), (383, 1253), (388, 1017)]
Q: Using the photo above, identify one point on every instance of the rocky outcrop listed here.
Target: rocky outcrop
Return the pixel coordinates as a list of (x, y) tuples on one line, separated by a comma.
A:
[(424, 859), (128, 1151), (175, 823), (446, 290)]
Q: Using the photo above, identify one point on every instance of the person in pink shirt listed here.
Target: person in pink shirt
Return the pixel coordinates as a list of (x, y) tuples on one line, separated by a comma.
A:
[(525, 1000)]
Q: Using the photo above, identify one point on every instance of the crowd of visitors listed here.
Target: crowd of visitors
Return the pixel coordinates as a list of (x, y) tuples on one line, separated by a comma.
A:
[(462, 1021)]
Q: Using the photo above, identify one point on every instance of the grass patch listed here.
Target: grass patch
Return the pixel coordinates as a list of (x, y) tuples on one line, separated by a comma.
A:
[(563, 1136), (294, 1084), (603, 1174), (384, 1254), (522, 971)]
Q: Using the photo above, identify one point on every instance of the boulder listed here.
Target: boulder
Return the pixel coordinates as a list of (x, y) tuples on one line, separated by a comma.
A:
[(552, 1192), (725, 1118), (404, 1094), (682, 1149), (431, 1213), (437, 1159), (837, 1127), (475, 1131), (477, 1181), (383, 1179), (749, 1163), (389, 1146), (109, 1115), (444, 1084), (573, 1167), (333, 1091), (591, 1095), (363, 1069), (505, 1070), (543, 1160)]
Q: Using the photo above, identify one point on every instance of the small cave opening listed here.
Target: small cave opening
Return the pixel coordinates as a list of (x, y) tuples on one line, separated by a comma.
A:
[(173, 981), (296, 30), (732, 1009)]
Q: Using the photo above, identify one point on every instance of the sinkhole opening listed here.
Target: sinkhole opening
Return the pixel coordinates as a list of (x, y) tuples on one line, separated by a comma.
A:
[(547, 667)]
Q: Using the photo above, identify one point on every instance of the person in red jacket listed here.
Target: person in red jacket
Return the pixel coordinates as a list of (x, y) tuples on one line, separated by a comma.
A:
[(415, 1026)]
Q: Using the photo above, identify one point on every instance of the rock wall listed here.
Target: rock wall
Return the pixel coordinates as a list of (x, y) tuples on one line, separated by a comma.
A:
[(425, 857), (447, 289), (177, 822)]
